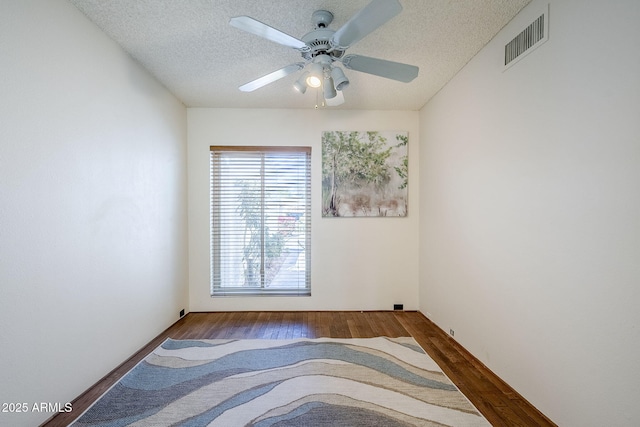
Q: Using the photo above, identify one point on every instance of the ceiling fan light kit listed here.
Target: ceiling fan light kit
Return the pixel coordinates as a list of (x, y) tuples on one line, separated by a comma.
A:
[(313, 81), (316, 74), (328, 89), (339, 79), (301, 84), (322, 47)]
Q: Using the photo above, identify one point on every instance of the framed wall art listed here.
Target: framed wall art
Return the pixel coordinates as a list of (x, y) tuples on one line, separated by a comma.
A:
[(364, 173)]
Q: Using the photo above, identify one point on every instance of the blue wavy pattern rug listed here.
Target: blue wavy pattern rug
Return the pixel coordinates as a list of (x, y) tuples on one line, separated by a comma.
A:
[(302, 382)]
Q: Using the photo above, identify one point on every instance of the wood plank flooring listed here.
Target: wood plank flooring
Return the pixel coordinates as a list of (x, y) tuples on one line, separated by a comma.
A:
[(498, 402)]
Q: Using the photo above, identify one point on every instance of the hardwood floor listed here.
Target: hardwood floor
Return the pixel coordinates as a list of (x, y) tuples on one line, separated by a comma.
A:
[(498, 402)]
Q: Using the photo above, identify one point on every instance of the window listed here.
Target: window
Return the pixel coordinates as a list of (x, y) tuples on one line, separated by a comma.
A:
[(260, 220)]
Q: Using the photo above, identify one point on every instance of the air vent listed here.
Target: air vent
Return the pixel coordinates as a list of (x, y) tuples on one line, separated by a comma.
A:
[(528, 40)]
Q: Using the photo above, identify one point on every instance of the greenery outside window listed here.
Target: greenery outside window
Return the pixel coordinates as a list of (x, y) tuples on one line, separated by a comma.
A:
[(260, 220)]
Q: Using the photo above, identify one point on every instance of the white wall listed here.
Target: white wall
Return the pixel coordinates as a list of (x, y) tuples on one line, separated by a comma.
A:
[(93, 244), (530, 212), (356, 263)]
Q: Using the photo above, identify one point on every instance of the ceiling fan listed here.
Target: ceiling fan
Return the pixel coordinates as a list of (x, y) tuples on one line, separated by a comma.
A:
[(323, 47)]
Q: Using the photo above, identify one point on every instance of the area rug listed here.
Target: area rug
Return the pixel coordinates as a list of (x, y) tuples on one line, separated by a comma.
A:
[(302, 382)]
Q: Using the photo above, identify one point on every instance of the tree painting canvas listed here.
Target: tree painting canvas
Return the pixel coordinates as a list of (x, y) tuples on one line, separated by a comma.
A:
[(364, 174)]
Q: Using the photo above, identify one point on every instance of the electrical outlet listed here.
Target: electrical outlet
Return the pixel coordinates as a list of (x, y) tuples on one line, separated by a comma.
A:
[(182, 312), (452, 332)]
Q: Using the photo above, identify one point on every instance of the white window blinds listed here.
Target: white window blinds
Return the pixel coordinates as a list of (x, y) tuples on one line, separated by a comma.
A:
[(260, 220)]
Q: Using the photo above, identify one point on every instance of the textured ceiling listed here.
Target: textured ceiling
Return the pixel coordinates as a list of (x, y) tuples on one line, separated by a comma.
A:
[(191, 48)]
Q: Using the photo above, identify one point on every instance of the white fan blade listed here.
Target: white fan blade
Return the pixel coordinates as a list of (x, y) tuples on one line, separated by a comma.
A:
[(271, 77), (380, 67), (258, 28), (336, 100), (365, 22)]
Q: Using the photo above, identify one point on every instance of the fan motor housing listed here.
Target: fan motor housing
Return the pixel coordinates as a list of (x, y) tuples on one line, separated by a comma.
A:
[(318, 42)]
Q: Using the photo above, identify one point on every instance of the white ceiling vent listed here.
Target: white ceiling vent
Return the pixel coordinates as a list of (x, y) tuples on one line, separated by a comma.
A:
[(528, 39)]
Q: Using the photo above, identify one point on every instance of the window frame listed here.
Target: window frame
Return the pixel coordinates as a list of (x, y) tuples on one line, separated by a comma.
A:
[(217, 288)]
